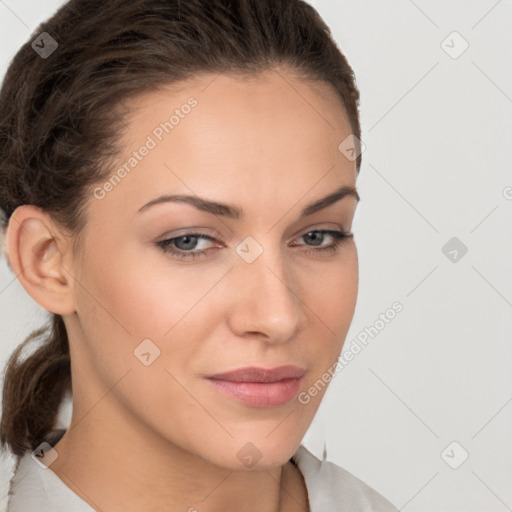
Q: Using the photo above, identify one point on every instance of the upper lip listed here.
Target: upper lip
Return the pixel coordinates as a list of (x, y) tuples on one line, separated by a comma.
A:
[(254, 374)]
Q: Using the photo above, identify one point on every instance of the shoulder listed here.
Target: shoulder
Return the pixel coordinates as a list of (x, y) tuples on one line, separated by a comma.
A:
[(330, 487), (34, 487)]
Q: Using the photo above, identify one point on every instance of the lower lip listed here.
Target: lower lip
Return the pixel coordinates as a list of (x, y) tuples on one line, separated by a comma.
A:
[(259, 394)]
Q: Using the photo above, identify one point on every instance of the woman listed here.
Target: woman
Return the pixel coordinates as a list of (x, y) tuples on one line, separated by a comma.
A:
[(179, 184)]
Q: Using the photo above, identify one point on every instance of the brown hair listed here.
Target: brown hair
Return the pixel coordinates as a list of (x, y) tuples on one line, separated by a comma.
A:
[(60, 120)]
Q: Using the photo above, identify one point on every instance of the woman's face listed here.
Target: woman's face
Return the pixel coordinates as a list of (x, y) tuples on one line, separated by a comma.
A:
[(264, 288)]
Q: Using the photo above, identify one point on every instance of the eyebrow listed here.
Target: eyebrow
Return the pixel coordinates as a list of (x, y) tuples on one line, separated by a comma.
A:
[(233, 212)]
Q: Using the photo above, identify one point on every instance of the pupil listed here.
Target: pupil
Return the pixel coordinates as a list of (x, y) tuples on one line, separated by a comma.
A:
[(189, 238), (316, 239)]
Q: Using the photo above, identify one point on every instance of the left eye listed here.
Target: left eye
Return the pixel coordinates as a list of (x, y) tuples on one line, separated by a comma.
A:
[(181, 246)]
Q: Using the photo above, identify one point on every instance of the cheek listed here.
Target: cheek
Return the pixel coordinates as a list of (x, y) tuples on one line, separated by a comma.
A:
[(139, 290), (123, 301), (332, 309), (138, 295), (333, 294)]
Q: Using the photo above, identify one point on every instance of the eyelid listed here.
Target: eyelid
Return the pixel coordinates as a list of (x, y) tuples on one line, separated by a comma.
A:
[(192, 230), (197, 230), (338, 235), (319, 227)]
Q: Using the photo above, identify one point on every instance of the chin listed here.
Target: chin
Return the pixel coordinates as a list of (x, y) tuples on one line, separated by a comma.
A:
[(260, 453)]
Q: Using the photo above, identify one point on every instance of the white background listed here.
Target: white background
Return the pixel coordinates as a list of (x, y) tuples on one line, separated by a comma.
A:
[(438, 136)]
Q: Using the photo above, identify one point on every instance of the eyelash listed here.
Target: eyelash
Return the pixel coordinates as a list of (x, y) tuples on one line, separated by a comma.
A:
[(339, 238)]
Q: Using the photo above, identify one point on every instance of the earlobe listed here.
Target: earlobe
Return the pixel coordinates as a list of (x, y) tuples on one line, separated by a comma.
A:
[(39, 256)]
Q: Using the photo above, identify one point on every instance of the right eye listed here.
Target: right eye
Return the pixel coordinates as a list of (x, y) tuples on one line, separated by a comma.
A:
[(187, 242)]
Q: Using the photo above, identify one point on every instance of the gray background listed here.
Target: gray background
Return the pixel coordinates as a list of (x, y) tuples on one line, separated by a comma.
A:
[(437, 129)]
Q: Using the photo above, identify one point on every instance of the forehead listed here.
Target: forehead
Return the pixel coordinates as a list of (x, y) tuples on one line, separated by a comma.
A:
[(267, 138), (274, 100)]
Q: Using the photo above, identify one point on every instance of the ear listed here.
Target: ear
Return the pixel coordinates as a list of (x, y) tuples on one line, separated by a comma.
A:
[(40, 256)]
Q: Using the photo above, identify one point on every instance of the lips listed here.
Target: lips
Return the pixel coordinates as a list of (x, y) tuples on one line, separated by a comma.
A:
[(254, 374), (260, 387)]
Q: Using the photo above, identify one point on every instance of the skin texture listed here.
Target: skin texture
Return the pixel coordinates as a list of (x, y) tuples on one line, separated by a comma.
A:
[(159, 436)]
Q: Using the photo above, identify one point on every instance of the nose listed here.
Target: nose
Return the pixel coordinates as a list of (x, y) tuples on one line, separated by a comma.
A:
[(265, 300)]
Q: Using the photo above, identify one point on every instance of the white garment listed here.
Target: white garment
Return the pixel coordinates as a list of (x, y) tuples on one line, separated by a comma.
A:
[(330, 487)]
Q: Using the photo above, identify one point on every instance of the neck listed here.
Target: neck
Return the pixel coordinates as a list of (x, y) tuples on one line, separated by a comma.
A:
[(155, 474)]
